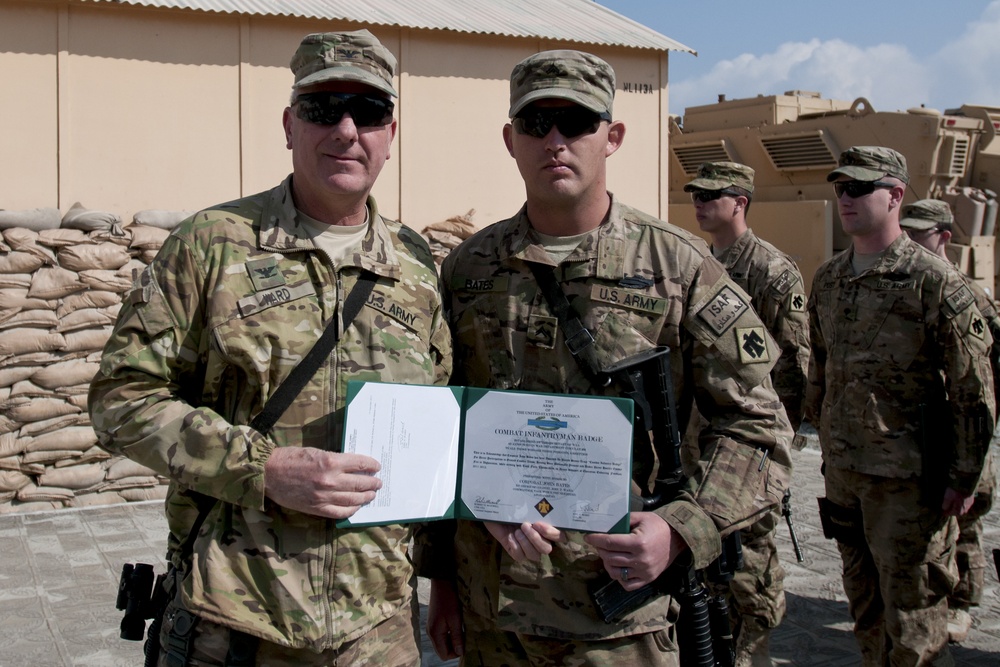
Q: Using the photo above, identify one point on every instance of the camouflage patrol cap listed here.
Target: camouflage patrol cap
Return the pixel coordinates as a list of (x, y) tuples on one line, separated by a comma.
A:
[(870, 163), (344, 56), (927, 214), (721, 175), (576, 76)]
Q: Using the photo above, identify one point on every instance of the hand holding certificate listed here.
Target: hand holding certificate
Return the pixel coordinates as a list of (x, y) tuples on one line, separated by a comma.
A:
[(505, 456)]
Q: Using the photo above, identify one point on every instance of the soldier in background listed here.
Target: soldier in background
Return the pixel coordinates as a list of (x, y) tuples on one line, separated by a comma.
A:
[(901, 391), (721, 193), (929, 223), (237, 296), (634, 282)]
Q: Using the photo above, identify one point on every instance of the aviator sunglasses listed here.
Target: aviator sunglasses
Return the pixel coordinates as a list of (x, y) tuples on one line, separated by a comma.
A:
[(855, 189), (705, 196), (328, 108), (571, 121)]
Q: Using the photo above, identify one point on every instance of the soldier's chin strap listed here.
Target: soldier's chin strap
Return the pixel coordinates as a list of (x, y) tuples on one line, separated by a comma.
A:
[(579, 340)]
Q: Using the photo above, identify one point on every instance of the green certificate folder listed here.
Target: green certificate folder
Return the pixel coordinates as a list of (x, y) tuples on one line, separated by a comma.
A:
[(490, 455)]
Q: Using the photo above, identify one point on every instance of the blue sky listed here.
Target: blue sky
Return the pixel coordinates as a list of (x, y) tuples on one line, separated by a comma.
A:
[(902, 54)]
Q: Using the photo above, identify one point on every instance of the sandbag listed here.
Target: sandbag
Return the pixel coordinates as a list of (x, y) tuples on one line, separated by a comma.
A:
[(18, 261), (55, 282), (139, 494), (15, 341), (144, 237), (88, 299), (10, 445), (65, 374), (86, 340), (58, 238), (163, 219), (97, 256), (73, 477), (53, 424), (17, 297), (74, 438), (124, 467), (32, 492), (87, 318), (15, 280), (35, 219), (39, 409), (79, 217), (12, 480), (31, 319), (11, 374), (105, 279)]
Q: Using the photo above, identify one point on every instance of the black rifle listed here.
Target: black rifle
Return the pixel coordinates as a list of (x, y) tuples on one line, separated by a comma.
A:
[(704, 634), (786, 511)]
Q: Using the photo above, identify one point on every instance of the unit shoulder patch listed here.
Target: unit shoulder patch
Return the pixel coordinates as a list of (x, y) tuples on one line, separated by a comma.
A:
[(752, 345)]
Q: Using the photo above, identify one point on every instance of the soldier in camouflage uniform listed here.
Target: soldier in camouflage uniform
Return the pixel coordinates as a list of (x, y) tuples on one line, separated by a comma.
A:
[(238, 294), (721, 193), (929, 223), (901, 390), (635, 282)]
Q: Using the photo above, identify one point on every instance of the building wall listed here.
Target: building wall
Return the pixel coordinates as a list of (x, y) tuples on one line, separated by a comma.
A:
[(124, 109)]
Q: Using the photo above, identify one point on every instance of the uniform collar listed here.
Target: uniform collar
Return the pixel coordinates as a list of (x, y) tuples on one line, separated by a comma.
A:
[(281, 231), (601, 255)]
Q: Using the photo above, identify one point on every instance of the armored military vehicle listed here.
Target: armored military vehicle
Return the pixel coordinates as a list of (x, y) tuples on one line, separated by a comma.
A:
[(793, 141)]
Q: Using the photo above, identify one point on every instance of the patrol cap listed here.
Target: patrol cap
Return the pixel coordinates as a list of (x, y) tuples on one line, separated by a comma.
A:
[(563, 74), (927, 214), (344, 56), (870, 163), (721, 175)]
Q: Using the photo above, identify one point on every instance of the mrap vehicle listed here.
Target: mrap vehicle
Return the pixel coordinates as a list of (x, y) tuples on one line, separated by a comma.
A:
[(794, 140)]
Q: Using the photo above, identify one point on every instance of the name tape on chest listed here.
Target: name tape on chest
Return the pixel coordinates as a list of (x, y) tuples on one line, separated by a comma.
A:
[(633, 300), (273, 297), (466, 284), (723, 310)]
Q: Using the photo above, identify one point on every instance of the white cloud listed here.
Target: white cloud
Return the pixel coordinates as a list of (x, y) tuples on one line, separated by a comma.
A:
[(890, 76), (886, 75)]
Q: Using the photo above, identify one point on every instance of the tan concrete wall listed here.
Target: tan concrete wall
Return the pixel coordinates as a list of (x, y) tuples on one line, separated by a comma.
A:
[(125, 109)]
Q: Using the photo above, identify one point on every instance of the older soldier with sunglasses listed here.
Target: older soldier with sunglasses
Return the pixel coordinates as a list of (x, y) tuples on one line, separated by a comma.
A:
[(929, 223), (518, 594), (204, 349), (721, 193), (901, 391)]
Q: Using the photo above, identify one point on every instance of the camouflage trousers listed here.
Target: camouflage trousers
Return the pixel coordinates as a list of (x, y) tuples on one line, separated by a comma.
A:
[(758, 589), (486, 646), (392, 643), (969, 551), (898, 569)]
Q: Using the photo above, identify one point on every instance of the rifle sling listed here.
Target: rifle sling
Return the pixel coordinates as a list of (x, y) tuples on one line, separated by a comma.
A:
[(579, 340)]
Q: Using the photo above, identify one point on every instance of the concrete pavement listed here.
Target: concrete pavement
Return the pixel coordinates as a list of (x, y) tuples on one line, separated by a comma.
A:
[(59, 575)]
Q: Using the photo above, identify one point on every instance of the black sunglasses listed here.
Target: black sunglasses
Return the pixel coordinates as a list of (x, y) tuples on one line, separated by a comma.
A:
[(327, 108), (704, 196), (855, 189), (571, 121)]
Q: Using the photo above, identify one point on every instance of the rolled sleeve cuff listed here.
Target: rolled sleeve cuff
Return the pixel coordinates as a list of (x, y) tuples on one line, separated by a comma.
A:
[(697, 530)]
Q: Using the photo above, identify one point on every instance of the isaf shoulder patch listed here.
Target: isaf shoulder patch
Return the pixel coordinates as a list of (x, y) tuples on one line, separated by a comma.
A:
[(959, 300), (784, 282), (723, 310), (752, 344)]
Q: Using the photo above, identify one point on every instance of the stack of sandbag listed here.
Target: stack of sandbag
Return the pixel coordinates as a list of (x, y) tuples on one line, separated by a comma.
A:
[(443, 237), (60, 292)]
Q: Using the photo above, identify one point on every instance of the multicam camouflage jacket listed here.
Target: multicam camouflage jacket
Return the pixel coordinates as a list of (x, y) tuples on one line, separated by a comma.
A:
[(777, 293), (899, 377), (230, 305), (636, 283)]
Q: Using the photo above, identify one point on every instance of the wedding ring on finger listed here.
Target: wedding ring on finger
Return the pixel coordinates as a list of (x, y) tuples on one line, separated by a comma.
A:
[(624, 574)]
